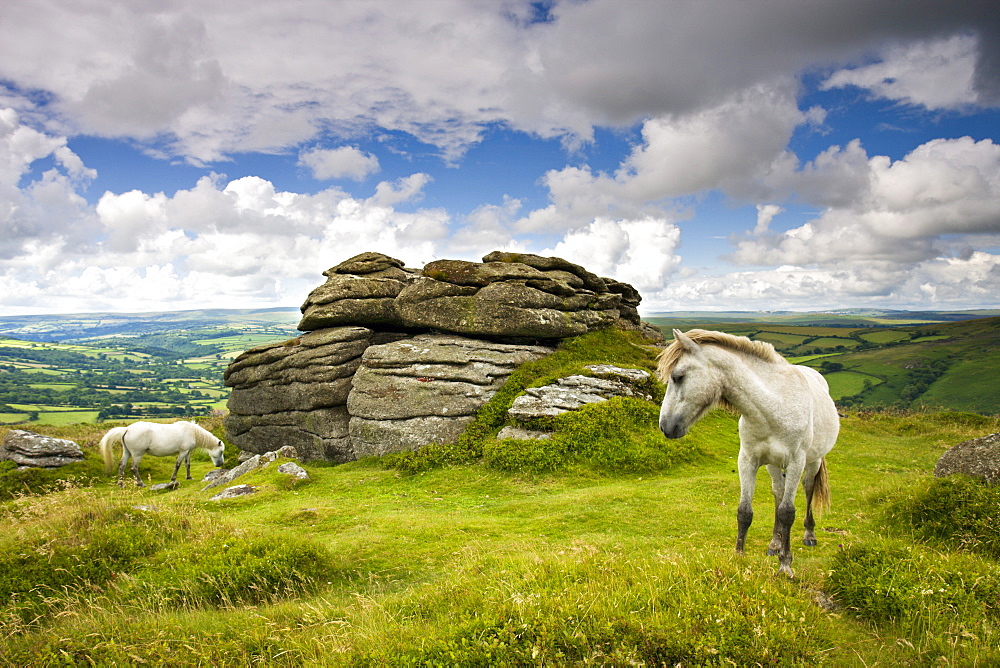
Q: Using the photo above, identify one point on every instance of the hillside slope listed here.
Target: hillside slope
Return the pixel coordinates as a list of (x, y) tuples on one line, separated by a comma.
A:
[(947, 365), (951, 366)]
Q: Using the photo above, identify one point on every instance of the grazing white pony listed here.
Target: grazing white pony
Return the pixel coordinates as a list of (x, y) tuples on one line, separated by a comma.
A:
[(159, 439), (788, 422)]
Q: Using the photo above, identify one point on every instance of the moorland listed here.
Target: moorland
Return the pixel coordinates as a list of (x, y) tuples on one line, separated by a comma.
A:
[(604, 545)]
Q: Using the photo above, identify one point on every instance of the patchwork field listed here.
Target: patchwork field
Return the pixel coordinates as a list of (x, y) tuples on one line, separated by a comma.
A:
[(156, 376)]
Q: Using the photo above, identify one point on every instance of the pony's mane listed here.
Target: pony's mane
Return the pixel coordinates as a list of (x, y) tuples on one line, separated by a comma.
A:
[(741, 344), (203, 437)]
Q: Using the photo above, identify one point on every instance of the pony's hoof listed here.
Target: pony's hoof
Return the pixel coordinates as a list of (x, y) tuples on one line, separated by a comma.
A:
[(809, 542), (771, 552)]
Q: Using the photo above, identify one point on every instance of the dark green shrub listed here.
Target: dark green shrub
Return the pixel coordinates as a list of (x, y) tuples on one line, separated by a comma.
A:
[(955, 511), (961, 418)]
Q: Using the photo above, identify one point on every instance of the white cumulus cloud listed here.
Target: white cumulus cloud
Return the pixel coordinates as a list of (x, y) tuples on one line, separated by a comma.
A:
[(346, 162)]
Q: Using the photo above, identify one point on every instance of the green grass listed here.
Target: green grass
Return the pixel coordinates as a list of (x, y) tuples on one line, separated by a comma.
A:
[(970, 383), (466, 565), (617, 551), (11, 418), (847, 383), (886, 336), (781, 341), (832, 342)]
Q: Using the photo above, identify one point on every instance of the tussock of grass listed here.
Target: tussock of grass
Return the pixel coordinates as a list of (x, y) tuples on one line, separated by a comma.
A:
[(616, 436), (938, 601), (231, 568), (956, 512)]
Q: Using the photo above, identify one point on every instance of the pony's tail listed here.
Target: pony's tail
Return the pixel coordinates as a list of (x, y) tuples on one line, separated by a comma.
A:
[(108, 442), (821, 489)]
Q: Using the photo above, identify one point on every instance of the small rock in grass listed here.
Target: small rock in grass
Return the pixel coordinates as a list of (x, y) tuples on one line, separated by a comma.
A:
[(233, 492), (293, 469)]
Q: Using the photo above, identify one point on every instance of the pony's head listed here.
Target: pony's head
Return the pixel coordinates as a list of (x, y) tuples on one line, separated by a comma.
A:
[(695, 372), (693, 385), (218, 453), (215, 448)]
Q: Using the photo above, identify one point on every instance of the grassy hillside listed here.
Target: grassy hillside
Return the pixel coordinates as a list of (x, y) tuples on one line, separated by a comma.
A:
[(612, 556), (944, 365)]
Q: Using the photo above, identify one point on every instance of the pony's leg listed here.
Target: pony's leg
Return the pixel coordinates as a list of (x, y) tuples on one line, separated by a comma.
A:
[(135, 469), (808, 484), (122, 465), (187, 460), (778, 489), (784, 516), (747, 466), (177, 467)]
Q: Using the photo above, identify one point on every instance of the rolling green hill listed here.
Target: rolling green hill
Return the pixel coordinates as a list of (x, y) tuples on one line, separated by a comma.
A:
[(944, 365), (839, 318)]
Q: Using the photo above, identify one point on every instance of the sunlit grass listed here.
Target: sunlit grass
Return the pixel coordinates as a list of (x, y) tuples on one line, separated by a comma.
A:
[(474, 564)]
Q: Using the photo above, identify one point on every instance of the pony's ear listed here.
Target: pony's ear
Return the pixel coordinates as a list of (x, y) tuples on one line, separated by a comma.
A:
[(686, 341)]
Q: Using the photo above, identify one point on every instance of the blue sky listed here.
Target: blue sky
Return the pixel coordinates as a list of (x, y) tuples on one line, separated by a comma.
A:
[(718, 155)]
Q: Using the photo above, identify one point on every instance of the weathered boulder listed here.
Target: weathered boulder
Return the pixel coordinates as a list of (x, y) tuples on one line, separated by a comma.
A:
[(978, 457), (294, 470), (509, 296), (359, 291), (521, 434), (425, 389), (233, 492), (295, 393), (26, 448), (164, 486), (538, 405)]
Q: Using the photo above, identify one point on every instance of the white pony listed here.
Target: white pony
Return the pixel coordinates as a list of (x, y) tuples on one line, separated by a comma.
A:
[(788, 421), (159, 439)]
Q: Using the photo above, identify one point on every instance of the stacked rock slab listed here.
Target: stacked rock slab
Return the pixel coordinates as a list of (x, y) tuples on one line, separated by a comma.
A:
[(395, 358), (507, 296), (295, 393), (426, 389)]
